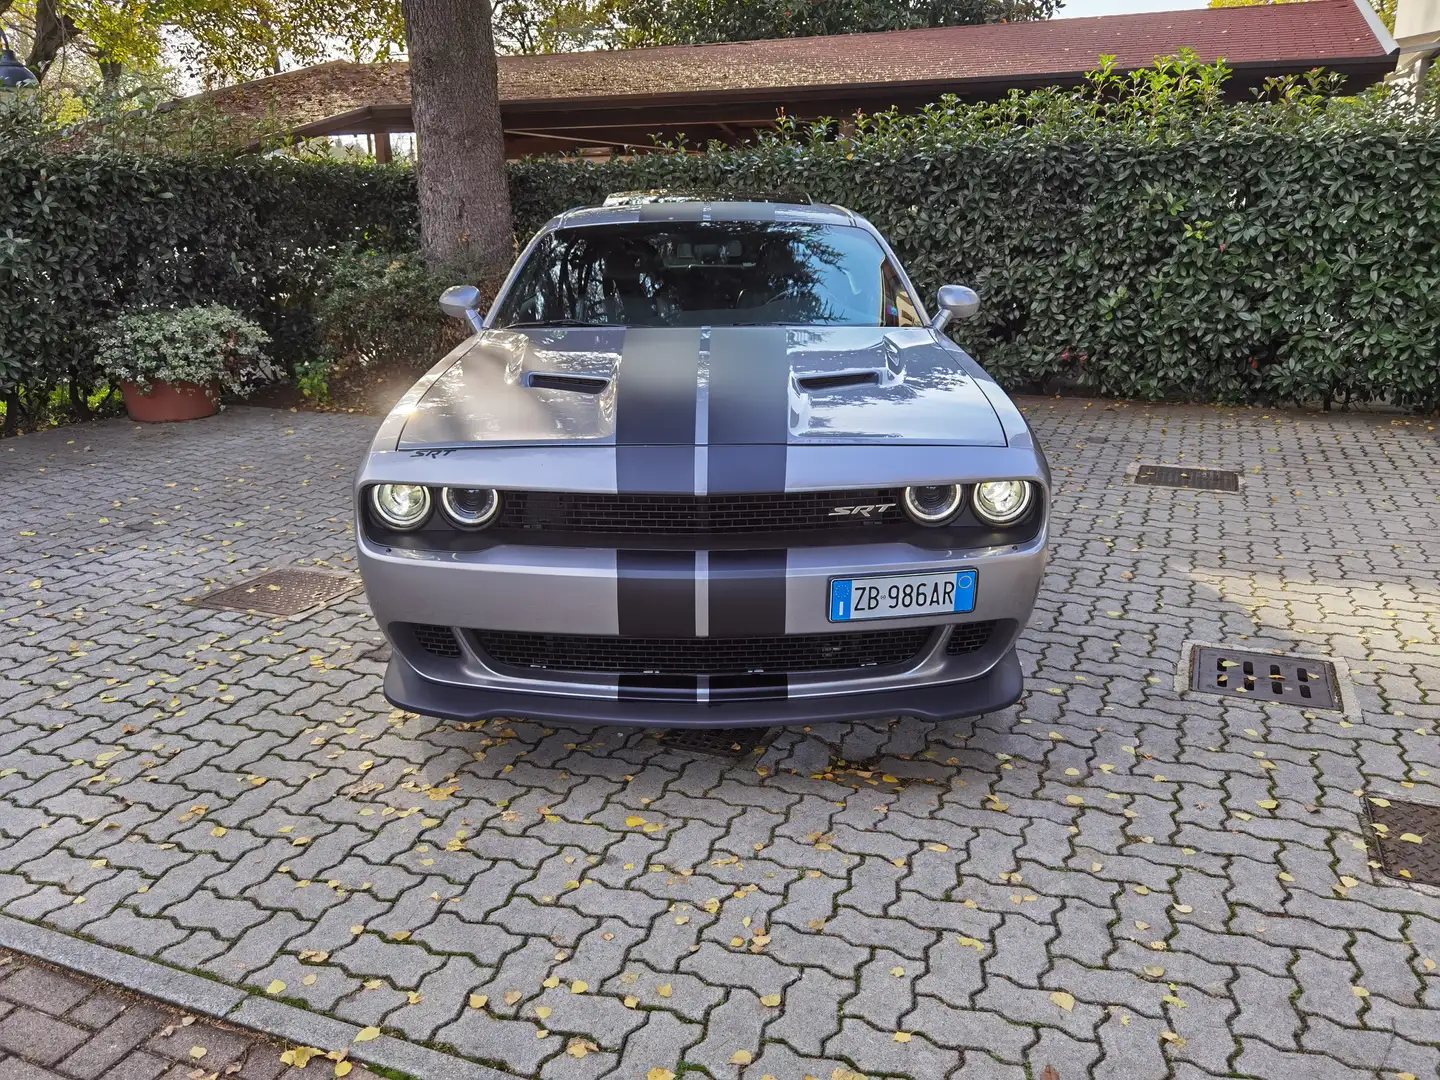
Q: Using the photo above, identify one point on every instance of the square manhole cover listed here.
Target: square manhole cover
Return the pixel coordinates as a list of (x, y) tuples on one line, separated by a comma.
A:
[(1179, 476), (281, 592), (1406, 838), (1294, 680), (733, 743)]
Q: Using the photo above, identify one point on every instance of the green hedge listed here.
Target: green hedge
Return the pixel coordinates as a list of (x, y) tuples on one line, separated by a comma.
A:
[(1139, 238), (86, 237)]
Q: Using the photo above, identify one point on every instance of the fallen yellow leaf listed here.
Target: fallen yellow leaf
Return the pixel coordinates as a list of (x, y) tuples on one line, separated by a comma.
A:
[(367, 1034), (741, 1057), (275, 987), (634, 821), (579, 986), (478, 1001), (659, 1074), (901, 1036), (198, 1052), (770, 1001), (299, 1056), (543, 1011), (1412, 838), (1064, 1000), (666, 990)]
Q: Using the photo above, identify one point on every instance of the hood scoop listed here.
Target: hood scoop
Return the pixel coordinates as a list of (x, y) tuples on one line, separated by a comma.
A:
[(836, 380), (555, 380)]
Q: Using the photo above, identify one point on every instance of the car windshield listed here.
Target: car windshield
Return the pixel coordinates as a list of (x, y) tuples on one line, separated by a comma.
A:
[(723, 273)]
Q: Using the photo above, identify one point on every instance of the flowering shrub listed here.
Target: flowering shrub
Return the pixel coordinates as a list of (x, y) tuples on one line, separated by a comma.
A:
[(208, 345)]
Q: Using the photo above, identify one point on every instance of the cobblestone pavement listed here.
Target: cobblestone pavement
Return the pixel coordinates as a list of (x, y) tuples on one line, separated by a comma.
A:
[(1112, 878), (57, 1026)]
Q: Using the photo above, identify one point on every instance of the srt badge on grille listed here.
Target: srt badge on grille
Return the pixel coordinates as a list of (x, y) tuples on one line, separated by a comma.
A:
[(861, 511)]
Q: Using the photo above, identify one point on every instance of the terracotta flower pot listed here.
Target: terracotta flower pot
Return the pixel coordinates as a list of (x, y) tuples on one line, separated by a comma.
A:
[(170, 401)]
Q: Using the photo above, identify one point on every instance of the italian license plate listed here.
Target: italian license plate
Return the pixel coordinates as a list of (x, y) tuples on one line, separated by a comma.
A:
[(897, 595)]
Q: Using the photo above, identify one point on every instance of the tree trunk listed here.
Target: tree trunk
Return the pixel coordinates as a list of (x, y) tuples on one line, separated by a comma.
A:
[(53, 29), (465, 224), (110, 72)]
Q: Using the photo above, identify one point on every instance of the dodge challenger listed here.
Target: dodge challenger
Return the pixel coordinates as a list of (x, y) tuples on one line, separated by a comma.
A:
[(704, 462)]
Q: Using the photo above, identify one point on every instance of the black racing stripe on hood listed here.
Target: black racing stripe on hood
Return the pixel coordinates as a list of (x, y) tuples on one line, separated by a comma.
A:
[(748, 409), (655, 409), (655, 593)]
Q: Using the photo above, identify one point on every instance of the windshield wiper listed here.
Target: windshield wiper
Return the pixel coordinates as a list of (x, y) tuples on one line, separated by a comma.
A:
[(541, 323)]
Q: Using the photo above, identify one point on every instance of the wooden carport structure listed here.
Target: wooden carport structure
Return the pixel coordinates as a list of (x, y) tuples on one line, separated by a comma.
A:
[(623, 100)]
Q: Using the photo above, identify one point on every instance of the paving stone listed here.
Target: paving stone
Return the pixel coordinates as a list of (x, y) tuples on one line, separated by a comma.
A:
[(113, 1043), (39, 1037), (875, 1051), (40, 988)]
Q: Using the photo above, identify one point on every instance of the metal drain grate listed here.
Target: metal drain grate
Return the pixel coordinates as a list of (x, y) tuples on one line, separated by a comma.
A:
[(1395, 827), (1295, 680), (281, 592), (1198, 479), (733, 743)]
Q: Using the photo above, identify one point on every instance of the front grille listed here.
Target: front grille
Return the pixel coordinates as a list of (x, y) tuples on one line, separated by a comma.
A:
[(563, 511), (969, 637), (437, 640), (704, 656)]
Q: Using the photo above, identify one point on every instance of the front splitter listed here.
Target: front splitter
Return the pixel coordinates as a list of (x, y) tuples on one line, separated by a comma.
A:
[(1001, 686)]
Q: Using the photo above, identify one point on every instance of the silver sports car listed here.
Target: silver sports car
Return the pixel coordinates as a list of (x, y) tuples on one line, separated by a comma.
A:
[(704, 463)]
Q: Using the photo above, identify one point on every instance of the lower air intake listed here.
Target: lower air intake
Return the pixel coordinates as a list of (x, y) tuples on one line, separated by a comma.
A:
[(436, 640), (792, 653), (969, 637)]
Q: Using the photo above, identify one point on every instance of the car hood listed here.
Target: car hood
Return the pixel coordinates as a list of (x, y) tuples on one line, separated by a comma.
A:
[(703, 385)]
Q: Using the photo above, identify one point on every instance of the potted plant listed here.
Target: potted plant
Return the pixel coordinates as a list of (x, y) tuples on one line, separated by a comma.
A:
[(172, 365)]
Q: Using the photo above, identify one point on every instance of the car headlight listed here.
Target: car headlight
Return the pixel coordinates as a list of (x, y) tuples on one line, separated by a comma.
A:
[(470, 508), (1001, 502), (401, 506), (933, 504)]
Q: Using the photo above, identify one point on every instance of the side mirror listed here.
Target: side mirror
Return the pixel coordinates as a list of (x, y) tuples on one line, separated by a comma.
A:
[(956, 302), (463, 302)]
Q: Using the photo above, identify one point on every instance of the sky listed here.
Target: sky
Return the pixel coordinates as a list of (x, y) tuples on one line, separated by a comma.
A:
[(1079, 9)]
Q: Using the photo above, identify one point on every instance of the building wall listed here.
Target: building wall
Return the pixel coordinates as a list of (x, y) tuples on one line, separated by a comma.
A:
[(1416, 19)]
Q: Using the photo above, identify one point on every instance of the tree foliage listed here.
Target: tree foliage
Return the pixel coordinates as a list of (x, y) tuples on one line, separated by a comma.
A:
[(213, 41)]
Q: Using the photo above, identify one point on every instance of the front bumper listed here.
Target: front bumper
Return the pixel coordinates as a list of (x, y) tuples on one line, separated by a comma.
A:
[(537, 591), (1001, 686)]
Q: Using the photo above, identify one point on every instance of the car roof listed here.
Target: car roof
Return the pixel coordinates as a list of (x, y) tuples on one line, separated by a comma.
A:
[(699, 209)]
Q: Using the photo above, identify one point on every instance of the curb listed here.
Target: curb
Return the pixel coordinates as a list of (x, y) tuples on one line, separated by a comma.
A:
[(232, 1005)]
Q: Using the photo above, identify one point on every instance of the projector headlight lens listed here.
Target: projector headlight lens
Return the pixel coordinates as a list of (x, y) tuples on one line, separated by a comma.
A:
[(934, 504), (401, 506), (470, 508), (1001, 502)]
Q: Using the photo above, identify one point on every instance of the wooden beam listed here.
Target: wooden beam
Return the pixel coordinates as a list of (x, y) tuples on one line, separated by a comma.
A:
[(382, 147)]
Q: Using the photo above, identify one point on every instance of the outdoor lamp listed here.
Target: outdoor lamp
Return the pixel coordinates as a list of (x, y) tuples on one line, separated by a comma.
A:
[(13, 74)]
